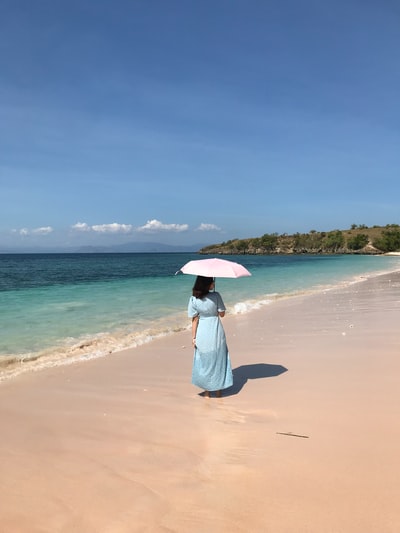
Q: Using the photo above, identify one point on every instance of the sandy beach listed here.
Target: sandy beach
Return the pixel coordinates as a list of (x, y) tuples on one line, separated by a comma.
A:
[(307, 440)]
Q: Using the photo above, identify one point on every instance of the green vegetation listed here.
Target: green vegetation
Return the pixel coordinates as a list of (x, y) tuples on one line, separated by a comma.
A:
[(358, 239), (389, 241)]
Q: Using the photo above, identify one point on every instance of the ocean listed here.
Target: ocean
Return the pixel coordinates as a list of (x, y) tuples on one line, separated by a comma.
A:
[(59, 308)]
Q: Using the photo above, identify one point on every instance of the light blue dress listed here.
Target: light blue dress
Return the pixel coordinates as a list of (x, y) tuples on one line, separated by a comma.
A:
[(212, 368)]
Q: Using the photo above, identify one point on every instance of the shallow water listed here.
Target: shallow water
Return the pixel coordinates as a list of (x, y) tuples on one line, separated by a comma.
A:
[(59, 307)]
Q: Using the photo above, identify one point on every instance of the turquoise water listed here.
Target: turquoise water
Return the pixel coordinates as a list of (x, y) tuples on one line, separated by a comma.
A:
[(59, 306)]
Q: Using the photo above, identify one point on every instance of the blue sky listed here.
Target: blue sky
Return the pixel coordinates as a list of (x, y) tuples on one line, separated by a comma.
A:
[(182, 121)]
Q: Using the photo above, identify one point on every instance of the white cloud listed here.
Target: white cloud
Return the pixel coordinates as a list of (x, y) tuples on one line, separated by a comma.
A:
[(43, 231), (103, 228), (81, 226), (112, 228), (208, 227), (36, 231), (153, 226)]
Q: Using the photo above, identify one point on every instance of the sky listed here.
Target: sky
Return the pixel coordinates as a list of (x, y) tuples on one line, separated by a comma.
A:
[(196, 121)]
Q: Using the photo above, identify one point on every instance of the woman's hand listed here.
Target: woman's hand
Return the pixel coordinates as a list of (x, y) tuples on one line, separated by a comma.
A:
[(195, 322)]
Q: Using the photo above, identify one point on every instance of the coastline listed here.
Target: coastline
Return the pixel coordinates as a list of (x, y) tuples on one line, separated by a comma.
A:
[(307, 439), (106, 342)]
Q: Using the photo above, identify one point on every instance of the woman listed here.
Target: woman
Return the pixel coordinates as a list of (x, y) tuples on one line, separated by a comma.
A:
[(212, 369)]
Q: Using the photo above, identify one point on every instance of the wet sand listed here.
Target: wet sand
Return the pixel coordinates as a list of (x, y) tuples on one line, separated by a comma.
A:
[(307, 440)]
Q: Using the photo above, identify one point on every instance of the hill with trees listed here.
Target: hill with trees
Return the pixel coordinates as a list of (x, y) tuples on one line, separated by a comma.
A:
[(359, 239)]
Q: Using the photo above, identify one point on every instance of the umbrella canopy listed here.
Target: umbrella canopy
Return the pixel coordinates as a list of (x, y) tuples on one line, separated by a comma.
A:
[(215, 268)]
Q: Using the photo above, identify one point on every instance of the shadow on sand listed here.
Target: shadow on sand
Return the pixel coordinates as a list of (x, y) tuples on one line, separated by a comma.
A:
[(243, 373)]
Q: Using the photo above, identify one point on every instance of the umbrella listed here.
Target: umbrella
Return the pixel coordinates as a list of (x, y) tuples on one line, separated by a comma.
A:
[(215, 268)]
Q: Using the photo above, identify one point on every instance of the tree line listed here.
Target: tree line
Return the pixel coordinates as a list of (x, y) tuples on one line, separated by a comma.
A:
[(358, 239)]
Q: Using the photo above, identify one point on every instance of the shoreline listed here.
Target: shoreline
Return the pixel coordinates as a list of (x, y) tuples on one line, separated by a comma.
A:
[(108, 344), (306, 440)]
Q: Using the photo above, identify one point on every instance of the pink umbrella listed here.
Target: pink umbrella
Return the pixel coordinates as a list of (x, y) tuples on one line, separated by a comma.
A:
[(215, 268)]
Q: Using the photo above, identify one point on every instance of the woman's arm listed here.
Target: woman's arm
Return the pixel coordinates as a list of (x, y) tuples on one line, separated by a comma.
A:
[(195, 322), (220, 305)]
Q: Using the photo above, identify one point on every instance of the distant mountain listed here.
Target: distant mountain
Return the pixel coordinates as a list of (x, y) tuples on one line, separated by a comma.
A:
[(140, 247), (130, 247)]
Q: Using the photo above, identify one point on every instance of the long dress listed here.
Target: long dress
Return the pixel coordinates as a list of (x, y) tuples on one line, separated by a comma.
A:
[(212, 368)]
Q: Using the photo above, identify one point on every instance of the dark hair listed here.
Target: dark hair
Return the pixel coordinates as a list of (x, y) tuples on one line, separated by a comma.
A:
[(202, 286)]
